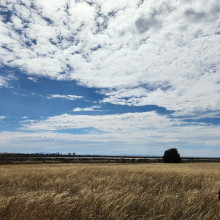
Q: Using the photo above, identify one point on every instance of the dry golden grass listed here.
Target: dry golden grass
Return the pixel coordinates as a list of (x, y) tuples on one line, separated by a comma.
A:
[(110, 191)]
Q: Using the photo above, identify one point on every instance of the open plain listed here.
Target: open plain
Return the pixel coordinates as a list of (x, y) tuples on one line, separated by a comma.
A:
[(110, 191)]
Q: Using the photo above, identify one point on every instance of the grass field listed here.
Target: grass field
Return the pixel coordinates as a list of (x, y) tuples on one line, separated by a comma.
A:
[(110, 191)]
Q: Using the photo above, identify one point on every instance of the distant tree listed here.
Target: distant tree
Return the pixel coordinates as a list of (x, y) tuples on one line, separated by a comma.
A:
[(171, 156)]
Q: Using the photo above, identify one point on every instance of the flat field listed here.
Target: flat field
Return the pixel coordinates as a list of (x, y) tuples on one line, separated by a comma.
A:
[(110, 191)]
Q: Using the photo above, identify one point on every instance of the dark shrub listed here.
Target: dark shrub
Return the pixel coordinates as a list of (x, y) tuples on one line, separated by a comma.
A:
[(171, 156)]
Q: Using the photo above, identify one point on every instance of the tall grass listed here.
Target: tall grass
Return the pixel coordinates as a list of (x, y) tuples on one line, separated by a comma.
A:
[(110, 191)]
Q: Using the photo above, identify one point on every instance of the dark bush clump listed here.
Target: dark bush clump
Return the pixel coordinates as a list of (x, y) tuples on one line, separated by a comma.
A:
[(171, 156)]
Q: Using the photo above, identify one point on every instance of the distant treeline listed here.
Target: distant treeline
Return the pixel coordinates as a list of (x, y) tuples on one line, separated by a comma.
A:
[(4, 155), (27, 158), (54, 158)]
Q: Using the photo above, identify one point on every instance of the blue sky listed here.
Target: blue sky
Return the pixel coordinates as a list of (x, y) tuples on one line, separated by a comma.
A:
[(110, 77)]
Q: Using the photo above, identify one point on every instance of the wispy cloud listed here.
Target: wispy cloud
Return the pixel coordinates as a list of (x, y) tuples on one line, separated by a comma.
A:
[(145, 130), (68, 97), (5, 80), (88, 109), (129, 122), (34, 79), (2, 117), (133, 126)]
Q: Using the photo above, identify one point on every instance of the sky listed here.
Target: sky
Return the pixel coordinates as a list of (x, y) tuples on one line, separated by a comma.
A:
[(110, 77)]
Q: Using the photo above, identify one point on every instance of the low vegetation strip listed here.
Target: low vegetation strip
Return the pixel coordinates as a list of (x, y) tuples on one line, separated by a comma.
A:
[(110, 191), (12, 158)]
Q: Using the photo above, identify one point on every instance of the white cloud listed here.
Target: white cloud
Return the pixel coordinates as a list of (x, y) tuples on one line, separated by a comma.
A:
[(198, 115), (4, 80), (133, 128), (32, 79), (147, 131), (24, 117), (88, 109), (108, 123), (2, 117), (68, 97), (167, 50)]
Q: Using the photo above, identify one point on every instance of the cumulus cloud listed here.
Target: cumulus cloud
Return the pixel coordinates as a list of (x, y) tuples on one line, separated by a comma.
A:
[(198, 14), (167, 50), (68, 97), (152, 17)]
